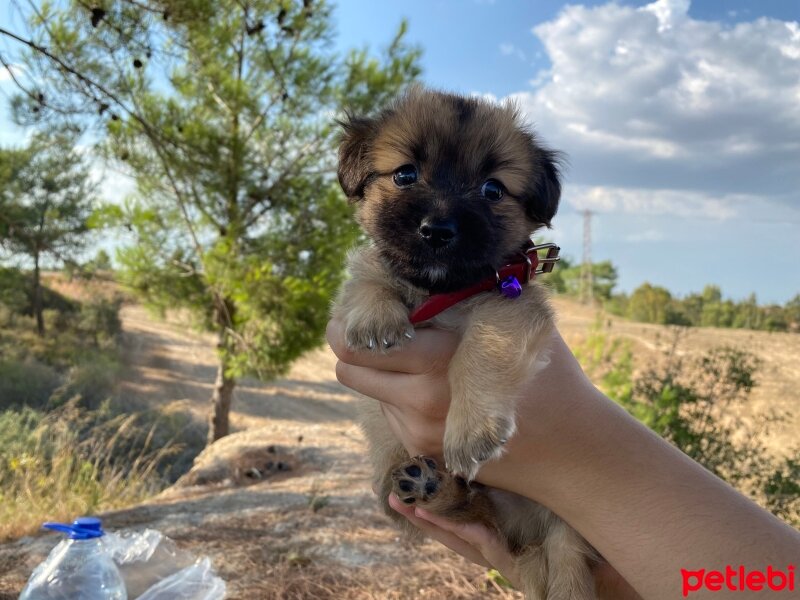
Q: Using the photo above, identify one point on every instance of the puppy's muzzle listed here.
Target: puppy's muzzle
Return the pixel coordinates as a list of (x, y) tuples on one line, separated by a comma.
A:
[(438, 233)]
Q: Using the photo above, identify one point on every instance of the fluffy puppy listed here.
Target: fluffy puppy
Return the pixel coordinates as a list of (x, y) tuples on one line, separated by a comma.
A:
[(447, 188)]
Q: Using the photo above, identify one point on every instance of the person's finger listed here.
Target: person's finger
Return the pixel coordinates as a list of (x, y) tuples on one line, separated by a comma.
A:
[(450, 540), (430, 350), (417, 392), (475, 534), (420, 434), (478, 536)]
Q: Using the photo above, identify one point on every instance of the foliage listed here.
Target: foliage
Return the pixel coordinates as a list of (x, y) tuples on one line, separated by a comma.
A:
[(51, 469), (46, 196), (68, 443), (13, 296), (655, 304), (27, 383), (566, 278), (223, 112), (82, 335), (696, 404), (98, 267)]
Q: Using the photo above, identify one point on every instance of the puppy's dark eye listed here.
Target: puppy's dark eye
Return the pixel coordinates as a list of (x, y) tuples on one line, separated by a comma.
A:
[(405, 176), (492, 190)]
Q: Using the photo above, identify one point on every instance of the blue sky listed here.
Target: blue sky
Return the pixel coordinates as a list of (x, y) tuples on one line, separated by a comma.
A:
[(674, 216), (681, 122)]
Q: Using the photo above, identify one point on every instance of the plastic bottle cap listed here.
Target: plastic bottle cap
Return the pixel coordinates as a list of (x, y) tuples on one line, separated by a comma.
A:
[(82, 528)]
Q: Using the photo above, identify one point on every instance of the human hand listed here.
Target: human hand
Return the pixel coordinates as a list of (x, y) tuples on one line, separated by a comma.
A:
[(410, 383), (412, 386), (474, 541)]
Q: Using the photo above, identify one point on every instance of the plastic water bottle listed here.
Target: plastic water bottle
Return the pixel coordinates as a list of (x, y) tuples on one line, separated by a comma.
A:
[(78, 568)]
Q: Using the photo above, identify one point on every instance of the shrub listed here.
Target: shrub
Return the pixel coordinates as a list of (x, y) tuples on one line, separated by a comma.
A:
[(13, 290), (99, 321), (71, 462), (695, 404), (26, 383), (7, 316), (90, 381)]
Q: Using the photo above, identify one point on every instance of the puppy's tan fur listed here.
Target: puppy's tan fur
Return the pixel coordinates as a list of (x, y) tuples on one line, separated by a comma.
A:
[(455, 144)]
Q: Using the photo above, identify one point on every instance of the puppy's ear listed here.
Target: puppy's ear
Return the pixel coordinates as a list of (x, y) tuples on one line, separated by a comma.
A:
[(354, 168), (543, 202)]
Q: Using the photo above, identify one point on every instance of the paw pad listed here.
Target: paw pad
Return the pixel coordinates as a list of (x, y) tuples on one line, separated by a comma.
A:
[(416, 480)]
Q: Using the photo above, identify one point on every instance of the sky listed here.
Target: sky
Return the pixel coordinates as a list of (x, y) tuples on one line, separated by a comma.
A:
[(680, 121)]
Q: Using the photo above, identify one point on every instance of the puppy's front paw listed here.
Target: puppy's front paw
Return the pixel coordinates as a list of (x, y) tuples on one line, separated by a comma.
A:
[(378, 327), (469, 442), (416, 481)]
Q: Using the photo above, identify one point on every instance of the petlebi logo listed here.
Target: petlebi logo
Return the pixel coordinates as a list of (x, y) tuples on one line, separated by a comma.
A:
[(739, 579)]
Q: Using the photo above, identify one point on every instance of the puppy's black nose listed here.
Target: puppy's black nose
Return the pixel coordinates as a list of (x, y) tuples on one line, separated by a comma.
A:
[(438, 233)]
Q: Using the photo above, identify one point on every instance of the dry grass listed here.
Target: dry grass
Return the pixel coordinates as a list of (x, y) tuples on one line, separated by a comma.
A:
[(50, 474), (426, 580)]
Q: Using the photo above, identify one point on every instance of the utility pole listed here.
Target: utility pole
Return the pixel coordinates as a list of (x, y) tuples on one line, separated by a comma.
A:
[(587, 280)]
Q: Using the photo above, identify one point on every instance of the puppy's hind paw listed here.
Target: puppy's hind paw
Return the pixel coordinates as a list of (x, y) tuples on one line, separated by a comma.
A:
[(416, 481)]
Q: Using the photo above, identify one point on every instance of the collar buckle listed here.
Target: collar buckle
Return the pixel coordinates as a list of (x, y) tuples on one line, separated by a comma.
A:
[(541, 264)]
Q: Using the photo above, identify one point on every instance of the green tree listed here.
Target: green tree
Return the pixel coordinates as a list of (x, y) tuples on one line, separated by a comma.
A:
[(792, 312), (650, 303), (566, 278), (46, 198), (748, 313), (223, 113), (692, 307)]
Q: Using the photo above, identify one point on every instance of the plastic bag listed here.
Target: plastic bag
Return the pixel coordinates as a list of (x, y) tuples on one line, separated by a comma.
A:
[(154, 568), (195, 582)]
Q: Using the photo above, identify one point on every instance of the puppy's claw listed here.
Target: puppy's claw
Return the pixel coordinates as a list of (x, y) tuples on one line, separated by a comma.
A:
[(465, 454), (371, 343), (409, 333)]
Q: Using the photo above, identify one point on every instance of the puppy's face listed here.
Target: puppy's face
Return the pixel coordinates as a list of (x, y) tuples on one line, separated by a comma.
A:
[(447, 186)]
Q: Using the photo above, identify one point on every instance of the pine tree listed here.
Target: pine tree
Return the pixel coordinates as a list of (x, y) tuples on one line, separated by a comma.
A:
[(46, 199), (223, 111)]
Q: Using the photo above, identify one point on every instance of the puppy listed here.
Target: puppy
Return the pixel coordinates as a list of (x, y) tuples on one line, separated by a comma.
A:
[(448, 189)]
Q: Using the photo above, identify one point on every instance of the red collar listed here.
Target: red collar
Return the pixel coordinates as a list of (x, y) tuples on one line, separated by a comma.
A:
[(524, 267)]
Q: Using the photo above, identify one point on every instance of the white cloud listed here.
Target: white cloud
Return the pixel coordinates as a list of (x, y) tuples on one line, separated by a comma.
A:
[(691, 115), (644, 201)]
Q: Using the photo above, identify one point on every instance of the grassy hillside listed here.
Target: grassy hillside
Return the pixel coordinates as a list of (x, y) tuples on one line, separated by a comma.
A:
[(777, 379)]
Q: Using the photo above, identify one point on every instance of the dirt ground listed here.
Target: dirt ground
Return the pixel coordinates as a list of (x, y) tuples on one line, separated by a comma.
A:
[(311, 529)]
